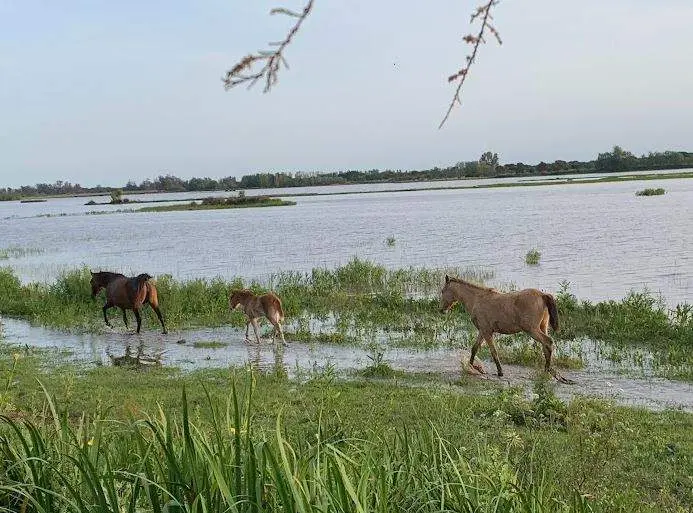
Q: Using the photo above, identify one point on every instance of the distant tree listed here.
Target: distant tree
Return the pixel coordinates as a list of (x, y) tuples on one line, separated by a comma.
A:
[(616, 160), (488, 162), (117, 196)]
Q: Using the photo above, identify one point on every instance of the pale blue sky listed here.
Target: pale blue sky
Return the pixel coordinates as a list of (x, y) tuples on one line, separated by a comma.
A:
[(100, 92)]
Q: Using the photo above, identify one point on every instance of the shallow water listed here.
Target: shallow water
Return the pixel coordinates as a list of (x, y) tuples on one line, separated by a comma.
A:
[(303, 359), (600, 237)]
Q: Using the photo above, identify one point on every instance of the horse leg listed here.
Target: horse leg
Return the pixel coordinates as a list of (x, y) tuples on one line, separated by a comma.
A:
[(247, 327), (255, 329), (547, 348), (161, 318), (138, 317), (475, 348), (278, 329), (105, 316), (125, 318), (494, 354), (544, 325)]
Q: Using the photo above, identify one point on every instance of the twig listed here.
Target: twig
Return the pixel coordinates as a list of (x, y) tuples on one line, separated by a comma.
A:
[(241, 73), (484, 12)]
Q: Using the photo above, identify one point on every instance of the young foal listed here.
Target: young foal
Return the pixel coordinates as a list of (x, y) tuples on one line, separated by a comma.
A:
[(268, 305), (528, 310), (126, 293)]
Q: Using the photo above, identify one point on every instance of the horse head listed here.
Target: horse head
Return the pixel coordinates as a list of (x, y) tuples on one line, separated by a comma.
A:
[(96, 283), (447, 296)]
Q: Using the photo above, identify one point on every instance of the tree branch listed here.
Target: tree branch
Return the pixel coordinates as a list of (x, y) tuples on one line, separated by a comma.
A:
[(484, 12), (242, 73)]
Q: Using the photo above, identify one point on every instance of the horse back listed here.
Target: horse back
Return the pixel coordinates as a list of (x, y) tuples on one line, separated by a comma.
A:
[(510, 312), (126, 292), (272, 306)]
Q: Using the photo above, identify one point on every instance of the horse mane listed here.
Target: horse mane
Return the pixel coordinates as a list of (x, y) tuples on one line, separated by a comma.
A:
[(242, 292), (473, 285), (107, 275)]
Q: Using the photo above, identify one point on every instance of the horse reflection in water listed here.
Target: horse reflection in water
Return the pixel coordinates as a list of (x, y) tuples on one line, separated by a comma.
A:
[(275, 367), (139, 360)]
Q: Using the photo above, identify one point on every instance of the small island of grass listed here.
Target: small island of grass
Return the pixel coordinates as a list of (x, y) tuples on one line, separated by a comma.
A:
[(220, 203), (650, 192)]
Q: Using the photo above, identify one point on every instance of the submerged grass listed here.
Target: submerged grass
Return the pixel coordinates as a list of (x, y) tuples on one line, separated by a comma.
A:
[(532, 257), (18, 252), (651, 192)]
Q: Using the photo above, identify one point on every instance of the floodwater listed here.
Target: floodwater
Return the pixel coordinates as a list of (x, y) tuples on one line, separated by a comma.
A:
[(600, 238), (186, 350)]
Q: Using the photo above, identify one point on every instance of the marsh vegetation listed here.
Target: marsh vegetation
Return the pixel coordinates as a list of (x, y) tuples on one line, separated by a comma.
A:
[(651, 192)]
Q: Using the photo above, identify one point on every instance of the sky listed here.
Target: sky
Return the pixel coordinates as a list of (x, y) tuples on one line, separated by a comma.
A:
[(102, 92)]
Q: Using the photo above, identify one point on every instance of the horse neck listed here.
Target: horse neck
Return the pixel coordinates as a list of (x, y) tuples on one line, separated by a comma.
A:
[(107, 277), (468, 294)]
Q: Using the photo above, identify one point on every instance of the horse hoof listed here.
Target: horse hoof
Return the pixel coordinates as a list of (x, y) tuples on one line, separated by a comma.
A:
[(500, 374), (479, 368)]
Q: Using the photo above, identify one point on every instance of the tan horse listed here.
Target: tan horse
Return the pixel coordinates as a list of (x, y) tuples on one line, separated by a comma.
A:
[(267, 305), (528, 310)]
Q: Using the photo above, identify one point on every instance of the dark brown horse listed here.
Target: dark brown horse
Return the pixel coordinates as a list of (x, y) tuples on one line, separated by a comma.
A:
[(126, 293)]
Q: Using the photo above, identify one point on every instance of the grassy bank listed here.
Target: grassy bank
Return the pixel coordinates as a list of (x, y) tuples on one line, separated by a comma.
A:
[(221, 203), (113, 439), (368, 305)]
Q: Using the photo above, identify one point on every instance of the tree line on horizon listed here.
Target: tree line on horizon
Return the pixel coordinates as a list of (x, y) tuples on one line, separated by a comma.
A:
[(487, 166)]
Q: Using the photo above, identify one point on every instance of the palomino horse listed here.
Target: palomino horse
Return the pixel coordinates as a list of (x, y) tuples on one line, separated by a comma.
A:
[(268, 305), (126, 293), (528, 310)]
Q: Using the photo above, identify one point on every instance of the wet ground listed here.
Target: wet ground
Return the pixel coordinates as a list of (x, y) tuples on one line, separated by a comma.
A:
[(223, 347)]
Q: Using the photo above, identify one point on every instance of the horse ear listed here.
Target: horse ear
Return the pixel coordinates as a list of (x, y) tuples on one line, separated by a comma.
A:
[(447, 279)]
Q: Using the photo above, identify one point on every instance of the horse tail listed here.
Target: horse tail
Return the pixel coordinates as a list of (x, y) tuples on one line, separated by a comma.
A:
[(278, 305), (149, 295), (550, 303), (280, 309), (152, 296)]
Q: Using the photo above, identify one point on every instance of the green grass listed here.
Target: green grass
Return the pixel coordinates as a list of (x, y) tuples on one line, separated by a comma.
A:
[(110, 439), (651, 192), (532, 257), (390, 241)]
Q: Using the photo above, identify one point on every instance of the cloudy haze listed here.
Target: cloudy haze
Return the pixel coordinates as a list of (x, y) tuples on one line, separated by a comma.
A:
[(100, 92)]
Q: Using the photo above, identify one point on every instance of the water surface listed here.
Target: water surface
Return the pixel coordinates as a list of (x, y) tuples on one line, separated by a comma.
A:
[(600, 237)]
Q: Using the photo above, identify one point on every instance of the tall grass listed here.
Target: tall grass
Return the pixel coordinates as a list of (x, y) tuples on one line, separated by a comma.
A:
[(169, 462)]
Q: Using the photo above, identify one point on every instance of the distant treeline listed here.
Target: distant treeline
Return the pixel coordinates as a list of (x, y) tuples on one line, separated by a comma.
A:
[(486, 167)]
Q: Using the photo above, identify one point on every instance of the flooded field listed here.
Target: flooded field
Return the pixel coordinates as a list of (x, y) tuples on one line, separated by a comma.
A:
[(224, 347), (601, 238)]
